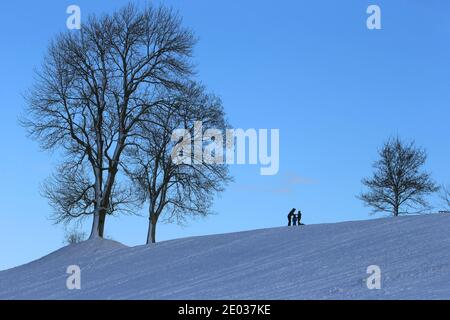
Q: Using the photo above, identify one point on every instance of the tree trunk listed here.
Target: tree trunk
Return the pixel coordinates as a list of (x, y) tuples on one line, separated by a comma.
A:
[(98, 221), (151, 235), (98, 225), (396, 209)]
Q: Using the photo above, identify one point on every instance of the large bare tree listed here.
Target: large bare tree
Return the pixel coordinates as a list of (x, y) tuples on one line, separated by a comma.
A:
[(174, 189), (398, 183), (96, 87)]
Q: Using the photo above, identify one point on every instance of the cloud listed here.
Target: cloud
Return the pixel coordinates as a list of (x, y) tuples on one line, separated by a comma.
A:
[(292, 178)]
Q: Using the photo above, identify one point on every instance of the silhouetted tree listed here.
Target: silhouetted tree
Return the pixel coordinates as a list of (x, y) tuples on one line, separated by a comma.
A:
[(398, 182), (95, 88), (178, 190)]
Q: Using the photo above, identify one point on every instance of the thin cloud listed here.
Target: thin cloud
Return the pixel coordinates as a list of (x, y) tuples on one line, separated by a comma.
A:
[(295, 179), (285, 186)]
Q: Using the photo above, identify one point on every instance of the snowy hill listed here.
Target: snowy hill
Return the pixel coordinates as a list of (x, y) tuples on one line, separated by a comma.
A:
[(326, 261)]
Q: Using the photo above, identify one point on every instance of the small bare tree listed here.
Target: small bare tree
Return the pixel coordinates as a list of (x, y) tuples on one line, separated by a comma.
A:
[(178, 190), (95, 88), (71, 193), (398, 182), (74, 236)]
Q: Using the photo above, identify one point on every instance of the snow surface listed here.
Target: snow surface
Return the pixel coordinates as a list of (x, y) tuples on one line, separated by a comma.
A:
[(324, 261)]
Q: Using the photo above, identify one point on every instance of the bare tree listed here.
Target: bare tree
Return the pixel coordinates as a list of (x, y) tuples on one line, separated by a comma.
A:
[(178, 190), (445, 196), (95, 88), (71, 194), (398, 183)]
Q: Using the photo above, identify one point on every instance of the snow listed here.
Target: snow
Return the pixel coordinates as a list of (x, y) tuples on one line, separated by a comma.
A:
[(324, 261)]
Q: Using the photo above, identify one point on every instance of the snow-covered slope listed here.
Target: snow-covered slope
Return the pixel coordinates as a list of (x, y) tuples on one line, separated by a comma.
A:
[(327, 261)]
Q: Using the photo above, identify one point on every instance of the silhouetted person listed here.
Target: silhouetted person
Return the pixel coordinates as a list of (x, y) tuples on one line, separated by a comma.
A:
[(299, 218), (294, 219), (290, 215)]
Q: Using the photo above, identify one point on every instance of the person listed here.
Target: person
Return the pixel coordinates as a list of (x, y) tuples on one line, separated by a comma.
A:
[(291, 213), (294, 219), (299, 218)]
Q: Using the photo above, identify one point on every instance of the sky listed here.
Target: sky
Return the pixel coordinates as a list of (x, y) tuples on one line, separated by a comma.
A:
[(335, 90)]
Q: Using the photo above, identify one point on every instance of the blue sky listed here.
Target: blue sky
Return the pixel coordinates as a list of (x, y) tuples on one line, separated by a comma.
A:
[(335, 90)]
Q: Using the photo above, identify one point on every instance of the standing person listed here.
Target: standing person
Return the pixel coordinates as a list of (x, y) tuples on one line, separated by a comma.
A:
[(291, 213), (299, 218), (294, 219)]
